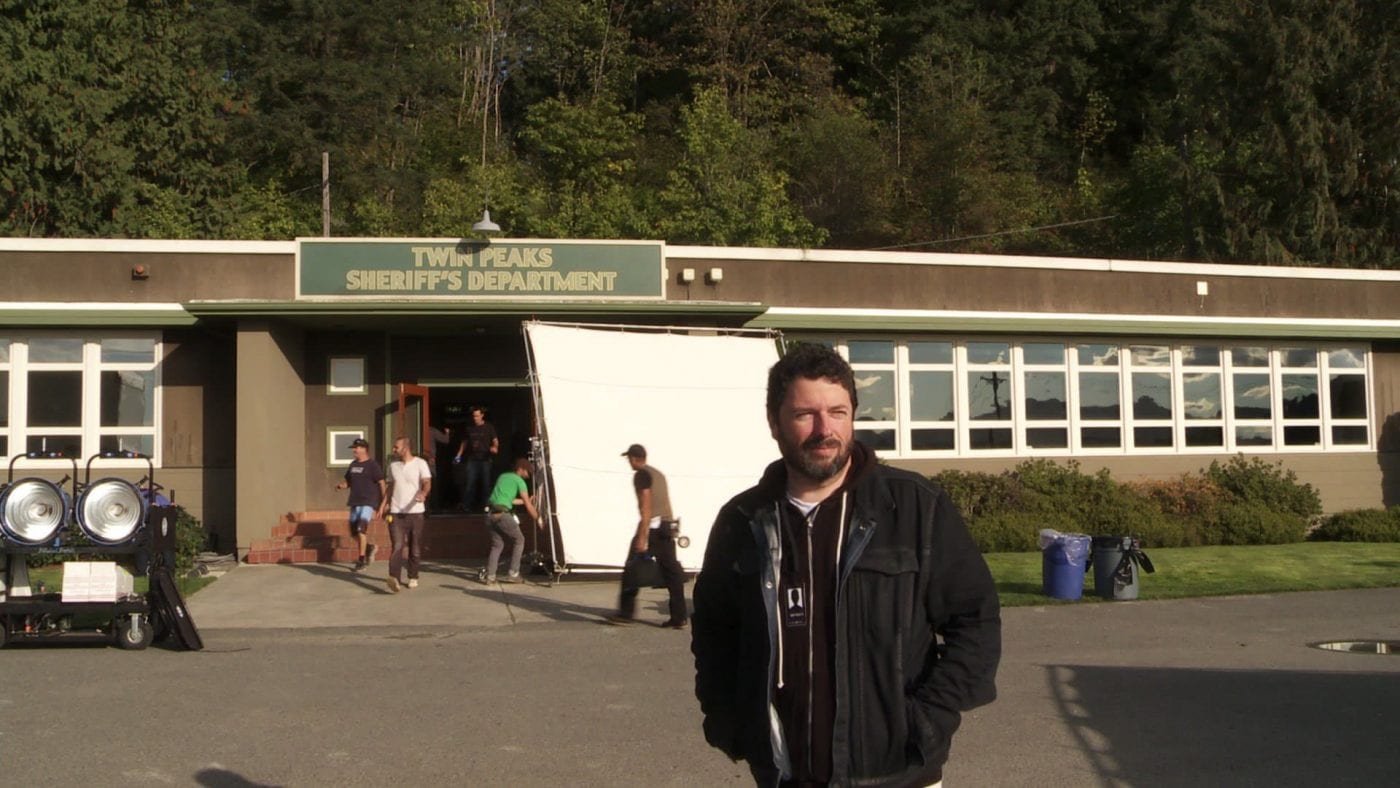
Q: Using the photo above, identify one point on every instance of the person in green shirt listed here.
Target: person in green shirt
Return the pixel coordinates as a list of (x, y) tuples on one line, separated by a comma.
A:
[(510, 490)]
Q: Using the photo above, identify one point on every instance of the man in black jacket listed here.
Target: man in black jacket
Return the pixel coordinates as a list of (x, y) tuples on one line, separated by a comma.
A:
[(822, 600)]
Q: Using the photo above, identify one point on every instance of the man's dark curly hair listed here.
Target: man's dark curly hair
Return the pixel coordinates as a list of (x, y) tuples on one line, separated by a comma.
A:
[(812, 362)]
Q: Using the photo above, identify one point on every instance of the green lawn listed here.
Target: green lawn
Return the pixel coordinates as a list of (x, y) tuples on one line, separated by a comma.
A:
[(52, 577), (1222, 571)]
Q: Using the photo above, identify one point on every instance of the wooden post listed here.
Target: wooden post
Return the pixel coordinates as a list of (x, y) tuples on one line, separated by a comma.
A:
[(326, 194)]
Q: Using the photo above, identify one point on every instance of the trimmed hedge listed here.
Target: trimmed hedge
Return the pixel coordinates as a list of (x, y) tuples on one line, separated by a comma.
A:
[(1237, 502), (1360, 525)]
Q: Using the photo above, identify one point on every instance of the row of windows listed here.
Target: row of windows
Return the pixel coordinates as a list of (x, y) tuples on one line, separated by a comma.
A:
[(987, 397), (78, 395)]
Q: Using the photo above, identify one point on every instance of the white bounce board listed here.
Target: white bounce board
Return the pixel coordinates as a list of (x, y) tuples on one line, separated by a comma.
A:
[(695, 402)]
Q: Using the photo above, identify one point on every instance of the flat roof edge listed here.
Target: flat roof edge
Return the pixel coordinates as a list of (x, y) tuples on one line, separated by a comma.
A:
[(1013, 322), (146, 246), (761, 254)]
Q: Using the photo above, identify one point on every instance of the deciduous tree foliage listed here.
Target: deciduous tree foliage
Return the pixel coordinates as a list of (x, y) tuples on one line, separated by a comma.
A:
[(1214, 130)]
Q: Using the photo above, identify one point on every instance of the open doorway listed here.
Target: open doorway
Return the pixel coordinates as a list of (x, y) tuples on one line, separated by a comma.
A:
[(506, 407)]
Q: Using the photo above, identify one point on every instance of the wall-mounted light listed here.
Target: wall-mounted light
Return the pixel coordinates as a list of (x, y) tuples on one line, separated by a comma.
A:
[(714, 276), (687, 276), (140, 273)]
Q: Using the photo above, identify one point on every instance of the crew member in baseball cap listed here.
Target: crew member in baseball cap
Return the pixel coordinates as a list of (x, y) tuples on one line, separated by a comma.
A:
[(651, 540), (365, 479)]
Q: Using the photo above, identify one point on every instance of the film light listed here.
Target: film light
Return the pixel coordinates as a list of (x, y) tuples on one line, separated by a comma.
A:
[(32, 511), (111, 511)]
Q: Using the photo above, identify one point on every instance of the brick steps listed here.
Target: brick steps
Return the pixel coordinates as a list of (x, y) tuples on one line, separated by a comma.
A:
[(324, 537)]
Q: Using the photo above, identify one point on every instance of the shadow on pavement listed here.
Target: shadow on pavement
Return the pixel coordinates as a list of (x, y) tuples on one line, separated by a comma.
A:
[(556, 611), (549, 608), (223, 778), (1165, 726), (365, 579)]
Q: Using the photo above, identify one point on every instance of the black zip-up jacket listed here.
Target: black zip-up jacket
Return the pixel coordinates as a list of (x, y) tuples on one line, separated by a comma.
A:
[(908, 571)]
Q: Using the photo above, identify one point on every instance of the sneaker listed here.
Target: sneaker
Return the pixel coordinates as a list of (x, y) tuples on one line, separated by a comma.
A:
[(393, 585), (359, 563), (413, 582), (619, 620), (513, 577), (675, 624), (485, 578), (369, 553)]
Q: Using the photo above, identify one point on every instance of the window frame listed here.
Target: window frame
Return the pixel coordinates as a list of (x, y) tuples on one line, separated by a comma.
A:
[(1176, 368), (89, 430), (333, 390), (338, 440)]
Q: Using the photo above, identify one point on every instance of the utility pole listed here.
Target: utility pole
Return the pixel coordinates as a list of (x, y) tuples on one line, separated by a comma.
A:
[(996, 381), (326, 194)]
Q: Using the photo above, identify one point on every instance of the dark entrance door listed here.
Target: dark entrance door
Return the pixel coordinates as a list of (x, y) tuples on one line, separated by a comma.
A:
[(506, 406)]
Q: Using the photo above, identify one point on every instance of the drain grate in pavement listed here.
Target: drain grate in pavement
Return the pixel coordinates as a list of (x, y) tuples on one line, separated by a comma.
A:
[(1361, 646)]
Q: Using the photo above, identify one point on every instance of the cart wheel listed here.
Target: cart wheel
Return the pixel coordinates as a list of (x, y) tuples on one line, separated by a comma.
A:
[(133, 642)]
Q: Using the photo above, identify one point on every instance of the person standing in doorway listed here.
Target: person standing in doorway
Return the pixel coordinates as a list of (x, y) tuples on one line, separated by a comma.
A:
[(410, 482), (478, 447), (510, 490), (365, 479), (825, 592), (653, 540)]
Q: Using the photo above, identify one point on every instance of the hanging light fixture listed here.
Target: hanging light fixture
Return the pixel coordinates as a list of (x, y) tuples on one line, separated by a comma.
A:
[(486, 225)]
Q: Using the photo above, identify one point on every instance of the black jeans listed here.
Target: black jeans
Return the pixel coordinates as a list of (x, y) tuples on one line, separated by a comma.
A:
[(663, 549)]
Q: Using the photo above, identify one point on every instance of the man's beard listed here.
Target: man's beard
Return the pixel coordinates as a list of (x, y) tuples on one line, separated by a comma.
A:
[(797, 457)]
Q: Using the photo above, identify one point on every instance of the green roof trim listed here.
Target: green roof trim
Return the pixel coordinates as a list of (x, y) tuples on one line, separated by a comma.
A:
[(154, 316), (360, 308), (1020, 323)]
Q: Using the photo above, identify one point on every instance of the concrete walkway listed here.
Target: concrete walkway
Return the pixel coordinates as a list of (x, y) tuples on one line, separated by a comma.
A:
[(300, 596)]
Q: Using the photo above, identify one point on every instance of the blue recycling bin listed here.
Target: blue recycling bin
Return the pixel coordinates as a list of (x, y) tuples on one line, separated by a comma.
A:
[(1063, 561)]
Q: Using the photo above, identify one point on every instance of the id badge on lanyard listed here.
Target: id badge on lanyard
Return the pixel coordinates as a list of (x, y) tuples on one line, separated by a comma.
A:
[(794, 606)]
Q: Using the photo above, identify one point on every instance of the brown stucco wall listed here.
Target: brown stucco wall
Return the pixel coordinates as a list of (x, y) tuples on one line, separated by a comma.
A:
[(325, 410), (894, 286), (173, 277), (197, 435), (1385, 382), (271, 428)]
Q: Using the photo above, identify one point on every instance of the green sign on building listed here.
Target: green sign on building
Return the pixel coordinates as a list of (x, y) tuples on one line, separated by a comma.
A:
[(437, 268)]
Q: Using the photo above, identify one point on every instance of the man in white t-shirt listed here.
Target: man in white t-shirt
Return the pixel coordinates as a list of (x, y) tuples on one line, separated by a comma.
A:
[(410, 481)]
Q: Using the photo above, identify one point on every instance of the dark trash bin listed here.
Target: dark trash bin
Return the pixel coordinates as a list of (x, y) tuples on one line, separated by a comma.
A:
[(1063, 561), (1116, 560)]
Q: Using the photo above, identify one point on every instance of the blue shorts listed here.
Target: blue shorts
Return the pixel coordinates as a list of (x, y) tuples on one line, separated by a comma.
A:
[(359, 518)]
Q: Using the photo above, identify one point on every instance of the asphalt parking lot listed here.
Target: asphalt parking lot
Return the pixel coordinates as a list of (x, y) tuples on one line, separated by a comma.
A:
[(314, 675)]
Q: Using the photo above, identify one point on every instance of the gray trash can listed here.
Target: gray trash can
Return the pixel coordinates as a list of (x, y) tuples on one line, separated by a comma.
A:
[(1115, 560)]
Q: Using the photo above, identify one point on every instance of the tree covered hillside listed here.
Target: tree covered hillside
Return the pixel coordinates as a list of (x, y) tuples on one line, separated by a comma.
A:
[(1212, 130)]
